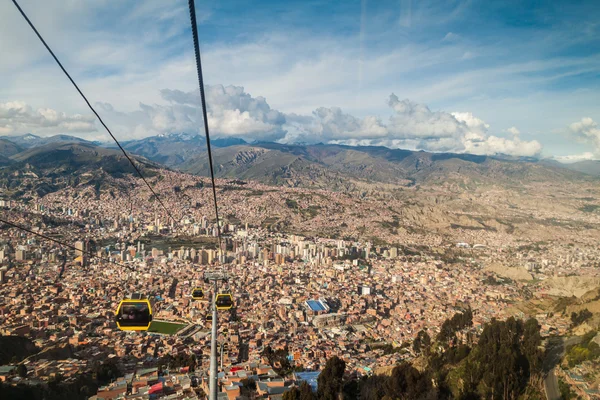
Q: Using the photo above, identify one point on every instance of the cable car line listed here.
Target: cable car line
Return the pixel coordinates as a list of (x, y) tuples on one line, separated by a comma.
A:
[(220, 301), (94, 111), (204, 113), (59, 242)]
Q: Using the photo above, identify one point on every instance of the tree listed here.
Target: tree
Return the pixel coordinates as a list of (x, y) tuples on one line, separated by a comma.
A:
[(54, 381), (350, 390), (278, 360), (578, 319), (503, 368), (306, 392), (458, 322), (373, 387), (22, 370), (406, 382), (417, 345), (248, 388), (532, 341), (292, 394), (107, 372), (422, 342), (330, 381)]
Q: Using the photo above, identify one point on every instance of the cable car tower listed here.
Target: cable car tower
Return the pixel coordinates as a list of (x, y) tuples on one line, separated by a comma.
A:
[(220, 301)]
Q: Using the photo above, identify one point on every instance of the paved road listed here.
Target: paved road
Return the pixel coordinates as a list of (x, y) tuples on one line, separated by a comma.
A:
[(551, 386), (555, 352)]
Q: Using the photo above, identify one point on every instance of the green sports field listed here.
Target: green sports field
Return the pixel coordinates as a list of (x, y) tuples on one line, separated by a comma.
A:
[(166, 328)]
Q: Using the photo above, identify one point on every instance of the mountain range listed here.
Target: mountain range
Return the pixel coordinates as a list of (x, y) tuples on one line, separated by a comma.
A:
[(326, 166), (44, 165)]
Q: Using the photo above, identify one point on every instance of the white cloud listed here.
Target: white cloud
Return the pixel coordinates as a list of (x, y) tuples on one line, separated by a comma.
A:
[(514, 131), (411, 126), (235, 113), (450, 36), (231, 112), (498, 145), (17, 117), (576, 157), (587, 131)]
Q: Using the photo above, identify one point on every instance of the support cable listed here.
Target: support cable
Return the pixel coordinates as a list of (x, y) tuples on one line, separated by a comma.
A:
[(93, 110), (12, 224), (204, 113)]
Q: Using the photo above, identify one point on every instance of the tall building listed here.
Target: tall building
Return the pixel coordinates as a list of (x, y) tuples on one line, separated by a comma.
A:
[(279, 259), (80, 247), (364, 290), (21, 255)]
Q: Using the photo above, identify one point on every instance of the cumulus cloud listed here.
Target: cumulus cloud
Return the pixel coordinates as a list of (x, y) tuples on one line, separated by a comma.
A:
[(576, 157), (513, 130), (231, 112), (413, 126), (19, 117), (498, 145), (587, 131)]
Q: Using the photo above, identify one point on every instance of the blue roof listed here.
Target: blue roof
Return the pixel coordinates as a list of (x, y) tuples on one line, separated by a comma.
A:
[(315, 305)]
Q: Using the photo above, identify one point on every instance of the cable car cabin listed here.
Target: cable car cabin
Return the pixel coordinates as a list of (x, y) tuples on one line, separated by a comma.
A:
[(134, 315), (197, 294), (209, 318), (224, 301)]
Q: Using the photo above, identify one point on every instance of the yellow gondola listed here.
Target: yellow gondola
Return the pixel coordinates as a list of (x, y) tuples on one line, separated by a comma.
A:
[(197, 293), (209, 318), (224, 301), (134, 315)]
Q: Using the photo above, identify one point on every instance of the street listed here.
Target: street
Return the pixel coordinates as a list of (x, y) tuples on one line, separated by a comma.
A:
[(556, 351)]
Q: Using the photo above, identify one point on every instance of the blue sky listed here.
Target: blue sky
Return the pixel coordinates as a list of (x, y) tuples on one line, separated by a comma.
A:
[(516, 77)]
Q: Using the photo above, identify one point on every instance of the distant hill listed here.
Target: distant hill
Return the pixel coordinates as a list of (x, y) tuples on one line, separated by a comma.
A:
[(5, 161), (590, 167), (71, 157), (30, 140), (226, 142), (47, 168), (341, 167), (324, 166), (336, 166), (169, 150), (8, 148), (175, 149)]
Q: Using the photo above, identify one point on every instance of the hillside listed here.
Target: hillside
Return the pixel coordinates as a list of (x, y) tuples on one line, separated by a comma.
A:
[(8, 148), (590, 167), (170, 150), (323, 166), (175, 149), (29, 140), (345, 167), (44, 169), (70, 157)]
